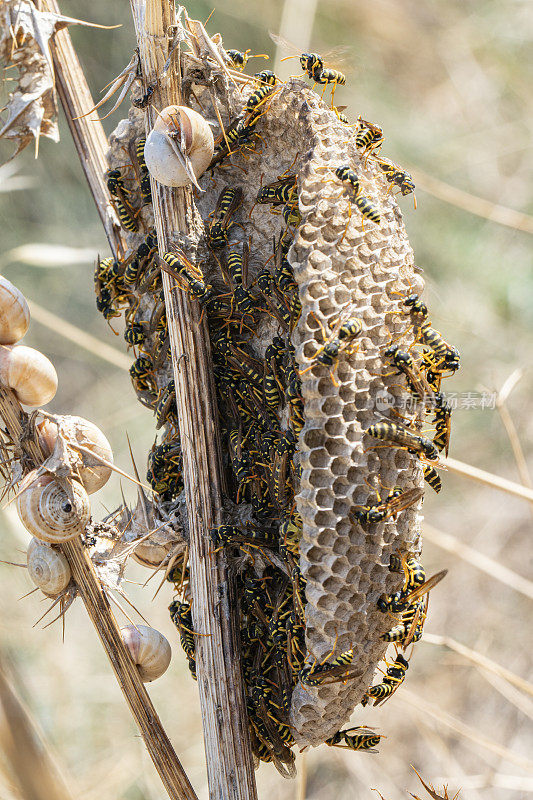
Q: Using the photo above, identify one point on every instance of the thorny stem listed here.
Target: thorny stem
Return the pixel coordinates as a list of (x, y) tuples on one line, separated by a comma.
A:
[(157, 742)]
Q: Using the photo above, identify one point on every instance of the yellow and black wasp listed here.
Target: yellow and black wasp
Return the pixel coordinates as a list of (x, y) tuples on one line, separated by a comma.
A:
[(237, 265), (278, 192), (416, 380), (350, 179), (356, 738), (393, 678), (396, 501), (397, 176), (413, 571), (227, 203), (432, 477), (313, 64), (341, 339), (187, 275), (400, 436), (240, 58), (412, 608), (180, 614), (442, 422), (369, 137), (268, 81), (119, 198)]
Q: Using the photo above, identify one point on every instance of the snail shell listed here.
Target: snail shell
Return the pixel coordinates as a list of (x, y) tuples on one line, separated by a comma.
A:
[(48, 568), (46, 510), (93, 474), (149, 649), (28, 373), (14, 313), (163, 160)]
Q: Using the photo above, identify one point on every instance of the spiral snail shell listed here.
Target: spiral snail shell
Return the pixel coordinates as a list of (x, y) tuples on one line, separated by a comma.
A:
[(77, 430), (14, 313), (149, 650), (28, 373), (46, 510), (48, 568), (164, 161)]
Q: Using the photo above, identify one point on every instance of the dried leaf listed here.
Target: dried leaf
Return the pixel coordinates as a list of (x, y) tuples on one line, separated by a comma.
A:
[(25, 34)]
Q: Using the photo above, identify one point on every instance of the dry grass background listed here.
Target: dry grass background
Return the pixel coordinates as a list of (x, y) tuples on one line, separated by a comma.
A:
[(450, 84)]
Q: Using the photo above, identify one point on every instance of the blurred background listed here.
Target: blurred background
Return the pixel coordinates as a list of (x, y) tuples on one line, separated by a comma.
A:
[(450, 83)]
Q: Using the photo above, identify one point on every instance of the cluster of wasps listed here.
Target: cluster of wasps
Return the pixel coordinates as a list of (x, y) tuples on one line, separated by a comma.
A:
[(261, 412), (120, 286)]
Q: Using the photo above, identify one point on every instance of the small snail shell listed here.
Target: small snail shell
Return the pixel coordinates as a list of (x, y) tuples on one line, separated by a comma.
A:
[(28, 373), (149, 649), (93, 474), (48, 568), (14, 313), (46, 510), (162, 160)]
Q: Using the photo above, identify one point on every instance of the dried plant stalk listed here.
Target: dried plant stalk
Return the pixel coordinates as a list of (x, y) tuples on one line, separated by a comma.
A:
[(157, 742), (228, 753), (31, 764), (88, 134)]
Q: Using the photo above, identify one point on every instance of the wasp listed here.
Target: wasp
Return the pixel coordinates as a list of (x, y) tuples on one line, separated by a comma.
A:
[(165, 410), (184, 271), (226, 535), (401, 436), (226, 206), (397, 500), (267, 76), (355, 741), (442, 421), (285, 447), (445, 356), (414, 572), (141, 371), (104, 304), (416, 306), (258, 97), (291, 215), (341, 338), (165, 469), (180, 614), (313, 65), (119, 194), (367, 209), (107, 272), (432, 477), (394, 174), (394, 676), (239, 59), (369, 137), (134, 333), (279, 192), (347, 175), (316, 674), (238, 270), (283, 274), (266, 285), (416, 381), (144, 175), (412, 607)]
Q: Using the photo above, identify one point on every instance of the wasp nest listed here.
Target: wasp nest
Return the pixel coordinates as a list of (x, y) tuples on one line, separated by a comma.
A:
[(304, 273)]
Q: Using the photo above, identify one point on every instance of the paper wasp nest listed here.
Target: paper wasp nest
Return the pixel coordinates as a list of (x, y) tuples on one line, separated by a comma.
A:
[(344, 266)]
